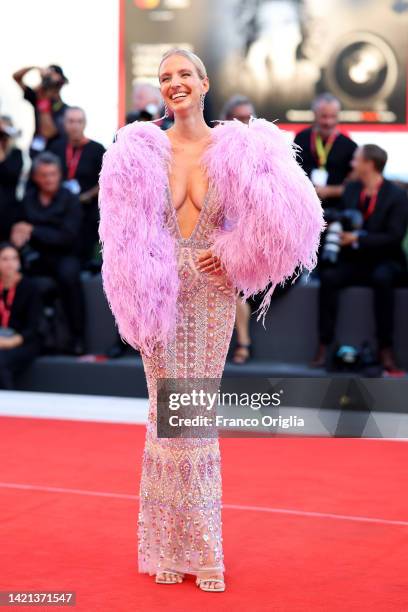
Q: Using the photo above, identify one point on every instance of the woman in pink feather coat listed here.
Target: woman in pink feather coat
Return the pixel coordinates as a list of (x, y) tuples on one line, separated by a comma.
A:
[(190, 217)]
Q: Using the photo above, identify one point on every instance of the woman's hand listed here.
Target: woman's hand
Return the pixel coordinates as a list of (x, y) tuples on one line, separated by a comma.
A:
[(20, 234), (11, 342), (211, 265), (348, 238)]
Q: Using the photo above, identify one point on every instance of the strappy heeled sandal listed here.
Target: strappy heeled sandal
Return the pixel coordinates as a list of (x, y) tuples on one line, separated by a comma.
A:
[(200, 581), (244, 358), (175, 580)]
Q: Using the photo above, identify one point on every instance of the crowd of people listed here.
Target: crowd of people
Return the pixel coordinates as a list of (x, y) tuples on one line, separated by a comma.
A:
[(51, 229), (55, 224), (367, 218)]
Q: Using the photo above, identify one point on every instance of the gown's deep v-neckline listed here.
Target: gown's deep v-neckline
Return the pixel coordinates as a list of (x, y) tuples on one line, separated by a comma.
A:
[(174, 214)]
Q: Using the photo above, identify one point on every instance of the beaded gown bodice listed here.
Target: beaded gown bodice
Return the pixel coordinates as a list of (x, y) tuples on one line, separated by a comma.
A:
[(179, 523)]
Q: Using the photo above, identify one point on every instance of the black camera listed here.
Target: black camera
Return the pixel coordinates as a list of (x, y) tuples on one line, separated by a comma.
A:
[(338, 221), (49, 83), (7, 131), (355, 359), (142, 115), (28, 257), (145, 114)]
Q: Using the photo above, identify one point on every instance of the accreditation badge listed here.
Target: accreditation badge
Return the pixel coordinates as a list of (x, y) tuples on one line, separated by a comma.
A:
[(319, 177), (38, 144), (73, 186)]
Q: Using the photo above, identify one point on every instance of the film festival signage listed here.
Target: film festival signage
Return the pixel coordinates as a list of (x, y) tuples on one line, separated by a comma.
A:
[(280, 53)]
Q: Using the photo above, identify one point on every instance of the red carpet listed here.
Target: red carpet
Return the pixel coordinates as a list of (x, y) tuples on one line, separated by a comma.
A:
[(275, 560)]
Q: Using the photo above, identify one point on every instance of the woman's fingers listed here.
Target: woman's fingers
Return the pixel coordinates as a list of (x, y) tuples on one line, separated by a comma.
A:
[(206, 258), (211, 268), (204, 261), (211, 265)]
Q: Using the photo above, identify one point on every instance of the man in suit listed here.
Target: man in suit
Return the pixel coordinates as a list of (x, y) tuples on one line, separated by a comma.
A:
[(372, 256)]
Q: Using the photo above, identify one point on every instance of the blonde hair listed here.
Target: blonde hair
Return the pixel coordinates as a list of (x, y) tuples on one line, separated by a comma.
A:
[(194, 59)]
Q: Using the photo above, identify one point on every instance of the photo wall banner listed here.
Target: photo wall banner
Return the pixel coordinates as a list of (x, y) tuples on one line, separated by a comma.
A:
[(279, 53)]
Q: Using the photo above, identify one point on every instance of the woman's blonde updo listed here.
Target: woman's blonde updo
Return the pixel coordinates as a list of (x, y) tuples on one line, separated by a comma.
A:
[(194, 59)]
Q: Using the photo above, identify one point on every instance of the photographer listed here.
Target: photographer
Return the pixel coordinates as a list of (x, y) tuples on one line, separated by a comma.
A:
[(20, 312), (81, 162), (49, 108), (147, 105), (11, 164), (47, 231), (370, 256)]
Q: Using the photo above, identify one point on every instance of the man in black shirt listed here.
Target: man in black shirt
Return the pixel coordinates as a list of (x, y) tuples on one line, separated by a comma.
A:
[(48, 106), (326, 154), (46, 230), (81, 162), (372, 256)]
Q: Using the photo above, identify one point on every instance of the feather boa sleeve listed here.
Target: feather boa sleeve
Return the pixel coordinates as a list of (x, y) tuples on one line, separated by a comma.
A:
[(273, 215), (139, 270)]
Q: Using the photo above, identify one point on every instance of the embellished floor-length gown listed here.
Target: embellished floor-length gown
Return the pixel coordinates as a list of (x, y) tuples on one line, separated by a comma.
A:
[(179, 522)]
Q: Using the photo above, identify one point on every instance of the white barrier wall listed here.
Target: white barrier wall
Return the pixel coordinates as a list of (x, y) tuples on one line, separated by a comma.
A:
[(82, 36)]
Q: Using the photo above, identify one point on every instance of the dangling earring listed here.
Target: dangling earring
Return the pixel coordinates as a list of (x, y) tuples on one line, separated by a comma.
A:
[(166, 111), (202, 98)]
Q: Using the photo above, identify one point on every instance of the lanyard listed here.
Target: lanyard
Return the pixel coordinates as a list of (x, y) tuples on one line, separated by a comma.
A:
[(5, 306), (72, 158), (321, 151), (372, 203)]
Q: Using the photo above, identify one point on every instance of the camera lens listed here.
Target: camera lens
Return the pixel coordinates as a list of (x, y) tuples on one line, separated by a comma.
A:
[(362, 68)]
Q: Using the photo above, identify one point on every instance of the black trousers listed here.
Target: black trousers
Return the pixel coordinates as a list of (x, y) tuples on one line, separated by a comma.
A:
[(255, 301), (15, 360), (89, 237), (66, 270), (382, 277)]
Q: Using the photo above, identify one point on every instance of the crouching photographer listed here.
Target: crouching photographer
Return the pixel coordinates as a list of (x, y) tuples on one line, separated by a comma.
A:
[(363, 246)]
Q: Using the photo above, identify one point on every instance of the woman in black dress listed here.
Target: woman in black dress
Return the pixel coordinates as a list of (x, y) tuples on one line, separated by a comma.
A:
[(20, 312)]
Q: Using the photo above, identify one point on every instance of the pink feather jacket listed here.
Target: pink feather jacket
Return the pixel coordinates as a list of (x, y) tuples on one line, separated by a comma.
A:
[(274, 221)]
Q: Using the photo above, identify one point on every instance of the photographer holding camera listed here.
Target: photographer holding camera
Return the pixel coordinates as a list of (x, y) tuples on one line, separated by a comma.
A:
[(49, 108), (46, 232), (11, 164), (370, 254), (147, 105)]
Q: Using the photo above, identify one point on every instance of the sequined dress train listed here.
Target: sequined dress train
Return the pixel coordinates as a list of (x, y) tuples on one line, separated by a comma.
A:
[(179, 521)]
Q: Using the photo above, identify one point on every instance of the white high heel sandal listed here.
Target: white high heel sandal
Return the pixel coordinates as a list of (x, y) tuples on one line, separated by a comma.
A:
[(175, 580), (200, 581)]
